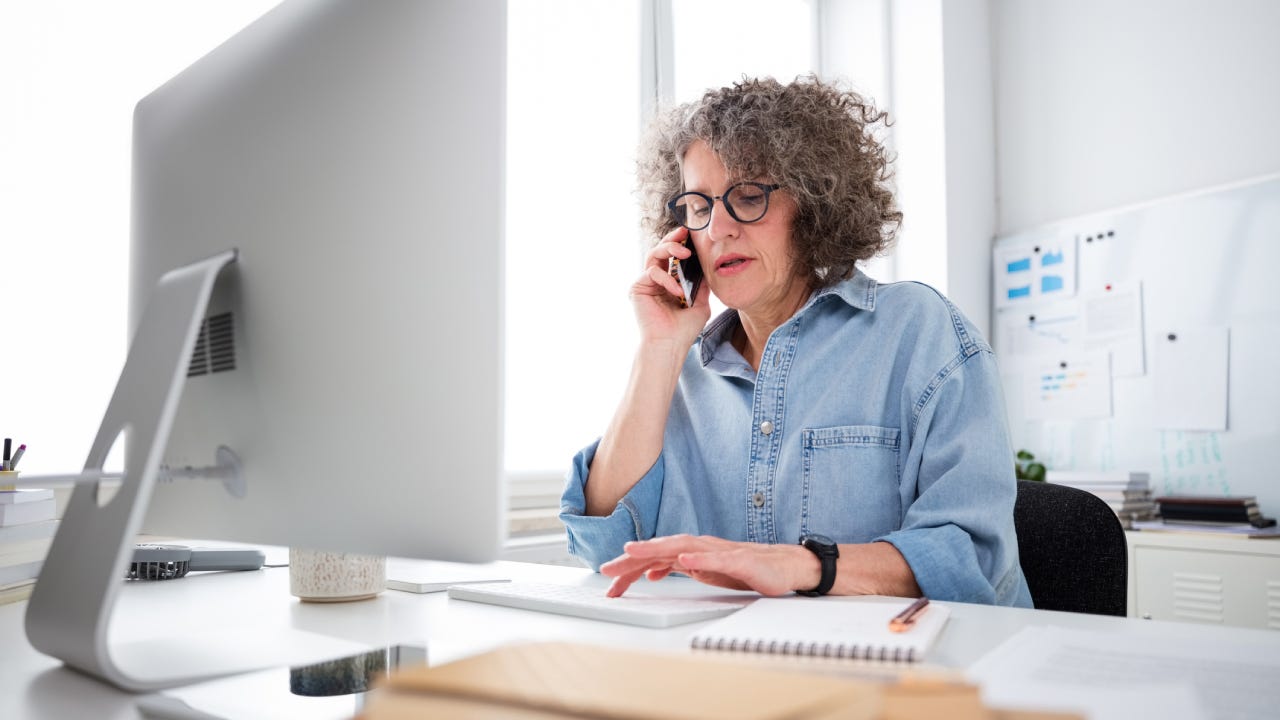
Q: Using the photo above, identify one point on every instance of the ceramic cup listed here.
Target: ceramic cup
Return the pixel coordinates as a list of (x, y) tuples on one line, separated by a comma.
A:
[(319, 576), (8, 476)]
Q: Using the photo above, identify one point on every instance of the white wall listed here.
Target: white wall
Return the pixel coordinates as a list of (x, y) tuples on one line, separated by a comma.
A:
[(970, 157), (1103, 103)]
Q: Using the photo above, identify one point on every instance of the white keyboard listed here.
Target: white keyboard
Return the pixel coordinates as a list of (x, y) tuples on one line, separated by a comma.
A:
[(591, 603)]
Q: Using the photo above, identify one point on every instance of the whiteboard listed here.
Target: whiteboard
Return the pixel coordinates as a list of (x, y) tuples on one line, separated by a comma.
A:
[(1208, 267)]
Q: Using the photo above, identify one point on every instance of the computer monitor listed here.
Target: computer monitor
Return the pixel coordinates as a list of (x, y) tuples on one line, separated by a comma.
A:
[(349, 155), (352, 152)]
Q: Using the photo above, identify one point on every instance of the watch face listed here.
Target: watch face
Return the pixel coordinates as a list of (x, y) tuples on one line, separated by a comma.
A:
[(817, 539)]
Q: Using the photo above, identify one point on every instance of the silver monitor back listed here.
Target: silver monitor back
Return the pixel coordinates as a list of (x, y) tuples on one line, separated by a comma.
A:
[(353, 152)]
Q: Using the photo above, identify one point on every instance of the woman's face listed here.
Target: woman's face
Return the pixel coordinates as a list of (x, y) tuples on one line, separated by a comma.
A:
[(748, 265)]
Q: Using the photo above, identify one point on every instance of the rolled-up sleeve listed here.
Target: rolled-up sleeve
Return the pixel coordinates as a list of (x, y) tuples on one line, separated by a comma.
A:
[(958, 535), (600, 539)]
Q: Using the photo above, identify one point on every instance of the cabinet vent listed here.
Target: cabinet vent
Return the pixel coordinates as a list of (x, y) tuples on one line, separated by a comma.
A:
[(215, 349), (1273, 604), (1197, 597)]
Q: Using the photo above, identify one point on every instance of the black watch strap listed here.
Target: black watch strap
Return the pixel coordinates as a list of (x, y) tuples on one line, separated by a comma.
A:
[(827, 552)]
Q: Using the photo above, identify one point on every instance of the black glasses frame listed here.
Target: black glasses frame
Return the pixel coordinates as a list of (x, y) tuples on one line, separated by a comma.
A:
[(767, 189)]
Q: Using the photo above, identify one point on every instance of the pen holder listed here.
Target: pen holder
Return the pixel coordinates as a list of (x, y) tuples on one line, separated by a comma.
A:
[(319, 576), (7, 478)]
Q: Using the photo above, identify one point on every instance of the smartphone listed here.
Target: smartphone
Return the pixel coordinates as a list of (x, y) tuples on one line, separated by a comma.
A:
[(688, 273)]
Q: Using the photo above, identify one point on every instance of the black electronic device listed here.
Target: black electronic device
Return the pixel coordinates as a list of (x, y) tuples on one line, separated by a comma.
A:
[(167, 562)]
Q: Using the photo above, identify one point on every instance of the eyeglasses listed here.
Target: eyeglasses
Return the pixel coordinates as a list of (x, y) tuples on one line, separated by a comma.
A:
[(746, 202)]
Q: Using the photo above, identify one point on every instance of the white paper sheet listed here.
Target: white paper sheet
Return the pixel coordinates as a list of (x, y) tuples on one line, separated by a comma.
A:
[(1069, 386), (1045, 329), (1029, 271), (1109, 675), (1113, 322), (1190, 369), (1105, 258)]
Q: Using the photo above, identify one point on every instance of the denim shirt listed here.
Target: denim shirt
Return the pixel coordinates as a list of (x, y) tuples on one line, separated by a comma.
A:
[(876, 415)]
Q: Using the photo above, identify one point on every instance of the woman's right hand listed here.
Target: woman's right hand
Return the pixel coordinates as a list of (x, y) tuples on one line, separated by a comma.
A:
[(656, 296)]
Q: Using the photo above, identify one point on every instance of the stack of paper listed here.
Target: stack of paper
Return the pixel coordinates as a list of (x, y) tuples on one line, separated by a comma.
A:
[(27, 526), (1127, 493)]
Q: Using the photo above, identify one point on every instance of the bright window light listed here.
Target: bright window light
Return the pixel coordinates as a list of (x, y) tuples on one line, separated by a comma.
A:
[(716, 42), (573, 238)]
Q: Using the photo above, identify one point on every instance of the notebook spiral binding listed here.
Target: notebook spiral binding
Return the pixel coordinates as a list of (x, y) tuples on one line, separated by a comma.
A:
[(806, 649)]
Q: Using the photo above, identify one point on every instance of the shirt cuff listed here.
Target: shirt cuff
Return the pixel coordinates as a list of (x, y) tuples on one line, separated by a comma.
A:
[(596, 539), (945, 563)]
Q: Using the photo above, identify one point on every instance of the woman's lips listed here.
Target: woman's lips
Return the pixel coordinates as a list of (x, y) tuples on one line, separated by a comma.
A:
[(731, 265)]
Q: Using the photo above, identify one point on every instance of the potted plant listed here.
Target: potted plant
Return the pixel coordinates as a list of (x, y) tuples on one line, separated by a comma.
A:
[(1026, 468)]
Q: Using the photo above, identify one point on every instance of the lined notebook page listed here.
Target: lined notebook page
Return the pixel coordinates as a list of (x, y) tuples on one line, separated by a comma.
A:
[(825, 627)]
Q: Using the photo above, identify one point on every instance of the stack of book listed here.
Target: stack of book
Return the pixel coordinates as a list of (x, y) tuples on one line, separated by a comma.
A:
[(27, 526), (1208, 510), (1127, 493)]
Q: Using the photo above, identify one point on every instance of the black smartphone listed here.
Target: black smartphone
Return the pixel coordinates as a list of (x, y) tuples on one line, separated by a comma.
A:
[(688, 273)]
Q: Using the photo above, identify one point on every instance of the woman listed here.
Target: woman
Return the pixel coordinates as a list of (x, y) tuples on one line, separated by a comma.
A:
[(825, 433)]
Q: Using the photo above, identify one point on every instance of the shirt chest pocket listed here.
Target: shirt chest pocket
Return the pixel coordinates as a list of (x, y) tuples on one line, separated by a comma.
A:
[(850, 489)]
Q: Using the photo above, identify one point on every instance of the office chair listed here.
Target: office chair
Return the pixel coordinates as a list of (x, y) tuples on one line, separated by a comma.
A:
[(1072, 549)]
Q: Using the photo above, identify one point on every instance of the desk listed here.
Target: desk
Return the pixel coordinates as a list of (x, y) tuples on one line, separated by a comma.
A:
[(33, 685)]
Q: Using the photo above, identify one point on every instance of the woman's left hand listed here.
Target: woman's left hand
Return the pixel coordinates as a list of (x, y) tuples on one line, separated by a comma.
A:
[(767, 569)]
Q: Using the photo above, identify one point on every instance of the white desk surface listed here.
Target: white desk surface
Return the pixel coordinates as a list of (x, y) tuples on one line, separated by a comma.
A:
[(33, 685)]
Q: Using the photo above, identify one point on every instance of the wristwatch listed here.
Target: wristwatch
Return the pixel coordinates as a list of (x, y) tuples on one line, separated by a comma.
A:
[(827, 552)]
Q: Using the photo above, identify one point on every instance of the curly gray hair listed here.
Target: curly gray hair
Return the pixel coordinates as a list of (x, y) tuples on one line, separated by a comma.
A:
[(813, 138)]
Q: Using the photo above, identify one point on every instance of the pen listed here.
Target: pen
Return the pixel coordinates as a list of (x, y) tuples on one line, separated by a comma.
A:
[(905, 619), (13, 462), (7, 443)]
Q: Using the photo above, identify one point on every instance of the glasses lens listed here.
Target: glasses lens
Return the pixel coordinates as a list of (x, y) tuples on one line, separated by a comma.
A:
[(748, 202), (692, 210)]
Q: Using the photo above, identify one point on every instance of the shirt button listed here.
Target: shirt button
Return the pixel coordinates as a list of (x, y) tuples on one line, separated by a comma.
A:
[(766, 427), (757, 499)]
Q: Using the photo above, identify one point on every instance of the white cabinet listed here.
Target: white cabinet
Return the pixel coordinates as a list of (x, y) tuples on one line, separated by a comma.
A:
[(1205, 578)]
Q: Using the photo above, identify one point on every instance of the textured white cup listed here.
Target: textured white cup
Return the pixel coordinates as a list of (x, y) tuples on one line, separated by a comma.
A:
[(319, 576)]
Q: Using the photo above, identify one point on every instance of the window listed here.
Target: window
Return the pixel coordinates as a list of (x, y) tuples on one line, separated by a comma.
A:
[(70, 74), (573, 242), (716, 42), (577, 93), (574, 245)]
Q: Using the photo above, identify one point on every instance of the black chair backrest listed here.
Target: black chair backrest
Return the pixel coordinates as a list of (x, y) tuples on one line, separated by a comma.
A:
[(1072, 549)]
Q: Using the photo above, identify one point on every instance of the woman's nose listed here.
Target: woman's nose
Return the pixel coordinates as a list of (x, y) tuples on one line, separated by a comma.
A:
[(722, 222)]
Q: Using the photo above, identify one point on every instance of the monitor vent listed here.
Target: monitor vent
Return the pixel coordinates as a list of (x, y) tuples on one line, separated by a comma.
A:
[(215, 349)]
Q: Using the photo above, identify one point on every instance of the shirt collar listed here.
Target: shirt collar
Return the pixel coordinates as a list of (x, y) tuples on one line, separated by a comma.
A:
[(859, 292)]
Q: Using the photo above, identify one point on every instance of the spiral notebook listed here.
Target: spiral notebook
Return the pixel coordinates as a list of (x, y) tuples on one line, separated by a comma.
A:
[(825, 627)]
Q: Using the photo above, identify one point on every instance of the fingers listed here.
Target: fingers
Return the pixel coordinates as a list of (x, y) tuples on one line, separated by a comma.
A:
[(654, 559), (655, 280), (671, 245), (620, 585), (623, 580), (673, 545), (656, 574), (715, 561)]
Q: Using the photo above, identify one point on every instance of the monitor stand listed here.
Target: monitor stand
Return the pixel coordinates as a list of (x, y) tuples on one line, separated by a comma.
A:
[(71, 606)]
